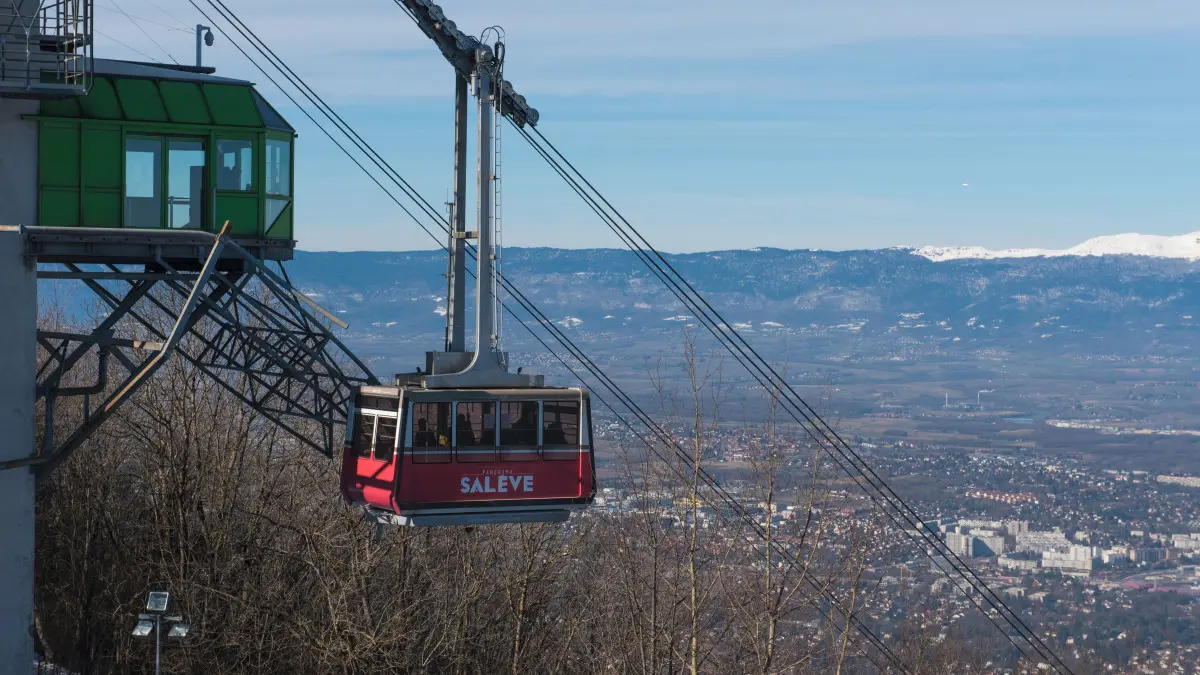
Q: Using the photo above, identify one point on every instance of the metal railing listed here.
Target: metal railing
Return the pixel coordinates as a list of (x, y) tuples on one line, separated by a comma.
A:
[(45, 47)]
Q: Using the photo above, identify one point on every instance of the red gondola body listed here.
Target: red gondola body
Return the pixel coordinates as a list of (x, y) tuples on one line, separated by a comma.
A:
[(417, 456)]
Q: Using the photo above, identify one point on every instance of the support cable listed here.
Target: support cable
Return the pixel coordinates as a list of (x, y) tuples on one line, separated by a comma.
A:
[(817, 428)]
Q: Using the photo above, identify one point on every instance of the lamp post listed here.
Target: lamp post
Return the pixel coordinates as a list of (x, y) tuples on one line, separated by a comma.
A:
[(153, 621), (204, 37)]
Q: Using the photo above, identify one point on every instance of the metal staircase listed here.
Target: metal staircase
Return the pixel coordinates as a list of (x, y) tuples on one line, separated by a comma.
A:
[(45, 48)]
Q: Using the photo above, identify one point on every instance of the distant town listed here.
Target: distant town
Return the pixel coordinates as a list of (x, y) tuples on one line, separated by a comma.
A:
[(1105, 561)]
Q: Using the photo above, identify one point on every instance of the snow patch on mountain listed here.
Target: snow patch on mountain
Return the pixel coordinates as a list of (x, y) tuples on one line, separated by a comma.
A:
[(1184, 246)]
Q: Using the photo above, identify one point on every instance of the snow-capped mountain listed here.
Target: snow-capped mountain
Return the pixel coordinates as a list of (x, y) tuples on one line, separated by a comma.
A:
[(869, 303), (1184, 246)]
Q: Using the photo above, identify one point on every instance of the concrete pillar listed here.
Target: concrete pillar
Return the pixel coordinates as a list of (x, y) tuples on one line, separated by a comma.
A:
[(18, 162), (18, 350)]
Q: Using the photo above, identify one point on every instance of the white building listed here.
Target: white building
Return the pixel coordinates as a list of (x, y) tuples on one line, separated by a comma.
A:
[(1074, 558), (1186, 542), (1022, 564), (1117, 555), (1040, 542)]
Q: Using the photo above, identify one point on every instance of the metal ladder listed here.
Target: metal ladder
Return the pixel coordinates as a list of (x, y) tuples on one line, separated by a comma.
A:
[(497, 218)]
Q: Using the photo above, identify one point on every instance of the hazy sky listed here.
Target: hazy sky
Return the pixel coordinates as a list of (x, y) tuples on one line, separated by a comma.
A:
[(789, 123)]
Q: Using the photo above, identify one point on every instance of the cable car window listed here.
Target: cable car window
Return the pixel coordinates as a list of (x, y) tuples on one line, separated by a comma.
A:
[(378, 403), (431, 433), (364, 434), (518, 431), (475, 431), (518, 423), (560, 429), (385, 439)]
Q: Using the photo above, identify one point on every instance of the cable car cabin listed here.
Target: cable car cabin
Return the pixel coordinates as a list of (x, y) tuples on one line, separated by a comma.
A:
[(418, 456)]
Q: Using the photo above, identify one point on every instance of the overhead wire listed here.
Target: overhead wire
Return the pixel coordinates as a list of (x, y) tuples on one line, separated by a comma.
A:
[(143, 30), (142, 18), (130, 48), (428, 210), (167, 13), (893, 506)]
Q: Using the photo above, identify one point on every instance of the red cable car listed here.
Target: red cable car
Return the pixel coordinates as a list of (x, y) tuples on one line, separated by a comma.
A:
[(467, 442), (416, 456)]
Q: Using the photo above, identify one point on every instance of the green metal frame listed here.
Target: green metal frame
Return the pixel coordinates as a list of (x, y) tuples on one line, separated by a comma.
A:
[(82, 141)]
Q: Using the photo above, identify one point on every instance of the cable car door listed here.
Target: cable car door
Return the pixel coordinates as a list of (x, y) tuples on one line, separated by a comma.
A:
[(373, 451)]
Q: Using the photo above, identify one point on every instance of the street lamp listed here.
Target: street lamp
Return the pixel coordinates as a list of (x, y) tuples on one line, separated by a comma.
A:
[(203, 34), (153, 623)]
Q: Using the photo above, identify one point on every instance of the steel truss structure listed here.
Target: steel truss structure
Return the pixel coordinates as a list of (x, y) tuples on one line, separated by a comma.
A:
[(240, 323)]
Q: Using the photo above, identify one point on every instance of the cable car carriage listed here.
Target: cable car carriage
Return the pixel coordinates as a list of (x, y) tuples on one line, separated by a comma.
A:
[(467, 442), (418, 456)]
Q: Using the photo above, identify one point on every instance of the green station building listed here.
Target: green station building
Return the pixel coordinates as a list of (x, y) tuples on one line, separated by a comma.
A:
[(150, 147)]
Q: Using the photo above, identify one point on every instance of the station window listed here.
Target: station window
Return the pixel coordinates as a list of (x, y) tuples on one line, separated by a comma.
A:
[(431, 433), (143, 181), (180, 164), (235, 165), (185, 183), (475, 431), (560, 429), (279, 168)]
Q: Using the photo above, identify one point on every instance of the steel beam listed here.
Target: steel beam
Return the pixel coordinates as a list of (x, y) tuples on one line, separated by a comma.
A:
[(456, 281)]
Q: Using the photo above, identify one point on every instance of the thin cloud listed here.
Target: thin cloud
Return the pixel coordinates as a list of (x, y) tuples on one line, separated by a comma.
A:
[(368, 49)]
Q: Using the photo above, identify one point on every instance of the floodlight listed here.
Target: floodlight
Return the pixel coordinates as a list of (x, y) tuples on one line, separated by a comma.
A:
[(178, 630), (157, 602), (143, 628)]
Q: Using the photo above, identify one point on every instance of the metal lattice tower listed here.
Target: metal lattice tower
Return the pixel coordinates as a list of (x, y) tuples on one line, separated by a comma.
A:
[(212, 303)]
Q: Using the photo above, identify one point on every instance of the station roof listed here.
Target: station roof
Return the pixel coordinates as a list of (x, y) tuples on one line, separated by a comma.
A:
[(144, 92)]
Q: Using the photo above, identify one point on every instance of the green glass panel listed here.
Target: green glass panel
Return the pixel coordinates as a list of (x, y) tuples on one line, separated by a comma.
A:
[(241, 211), (283, 226), (232, 105), (61, 107), (101, 158), (58, 208), (184, 102), (102, 208), (271, 117), (101, 102), (58, 156), (278, 218), (140, 100)]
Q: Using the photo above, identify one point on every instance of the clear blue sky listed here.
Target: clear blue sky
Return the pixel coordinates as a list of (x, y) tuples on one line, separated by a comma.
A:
[(789, 123)]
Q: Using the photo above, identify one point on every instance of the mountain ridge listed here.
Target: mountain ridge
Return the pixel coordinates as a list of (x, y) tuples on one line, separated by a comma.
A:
[(1183, 247)]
